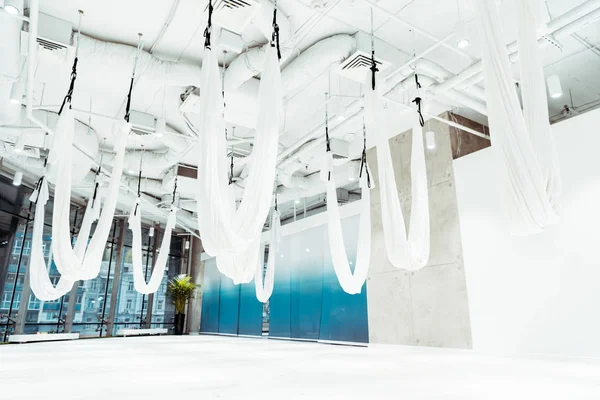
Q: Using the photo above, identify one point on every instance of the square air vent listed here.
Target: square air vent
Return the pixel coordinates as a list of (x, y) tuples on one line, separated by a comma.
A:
[(358, 67), (234, 15), (54, 38)]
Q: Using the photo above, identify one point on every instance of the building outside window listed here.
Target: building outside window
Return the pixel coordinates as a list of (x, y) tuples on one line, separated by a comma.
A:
[(6, 300), (34, 303), (130, 287), (159, 305), (129, 305)]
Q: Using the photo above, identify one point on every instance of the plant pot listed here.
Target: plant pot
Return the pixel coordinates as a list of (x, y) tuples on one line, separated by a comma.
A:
[(179, 324)]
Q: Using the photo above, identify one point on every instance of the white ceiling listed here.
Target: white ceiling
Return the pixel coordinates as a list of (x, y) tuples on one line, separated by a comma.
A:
[(120, 21)]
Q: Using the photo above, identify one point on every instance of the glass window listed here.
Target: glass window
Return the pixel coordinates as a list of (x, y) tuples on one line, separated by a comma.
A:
[(129, 305), (130, 287), (34, 303), (6, 300), (159, 305), (27, 248)]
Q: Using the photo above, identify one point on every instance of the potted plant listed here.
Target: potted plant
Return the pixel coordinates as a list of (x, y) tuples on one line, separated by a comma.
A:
[(179, 290)]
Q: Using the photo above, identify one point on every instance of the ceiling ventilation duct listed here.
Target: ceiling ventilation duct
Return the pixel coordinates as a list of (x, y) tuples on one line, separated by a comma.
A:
[(142, 123), (54, 38), (357, 67), (234, 15), (339, 149)]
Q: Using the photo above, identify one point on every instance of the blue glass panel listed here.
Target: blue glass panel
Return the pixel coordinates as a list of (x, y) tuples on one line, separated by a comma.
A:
[(250, 317), (344, 316), (229, 306), (279, 303), (306, 264), (210, 298)]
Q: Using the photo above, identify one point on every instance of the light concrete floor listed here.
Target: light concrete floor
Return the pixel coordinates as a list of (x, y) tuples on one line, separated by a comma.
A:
[(208, 367)]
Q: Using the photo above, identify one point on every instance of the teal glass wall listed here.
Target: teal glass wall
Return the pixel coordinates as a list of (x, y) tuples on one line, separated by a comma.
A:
[(308, 302)]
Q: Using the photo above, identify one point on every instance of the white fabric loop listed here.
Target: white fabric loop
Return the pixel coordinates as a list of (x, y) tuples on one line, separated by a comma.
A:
[(264, 290), (407, 252), (350, 282), (160, 265), (40, 283), (521, 139), (232, 235), (84, 262)]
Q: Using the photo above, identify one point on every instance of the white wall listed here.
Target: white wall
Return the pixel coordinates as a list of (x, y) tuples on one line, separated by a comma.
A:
[(536, 294)]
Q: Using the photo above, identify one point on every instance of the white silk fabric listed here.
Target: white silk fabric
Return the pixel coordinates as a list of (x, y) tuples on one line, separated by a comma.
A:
[(409, 252), (350, 282), (160, 265), (521, 139), (232, 235), (264, 290), (83, 262), (40, 283)]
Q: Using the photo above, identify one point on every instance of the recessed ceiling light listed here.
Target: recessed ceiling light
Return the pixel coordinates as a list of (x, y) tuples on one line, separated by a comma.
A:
[(281, 255), (461, 44), (11, 9), (341, 117), (307, 250)]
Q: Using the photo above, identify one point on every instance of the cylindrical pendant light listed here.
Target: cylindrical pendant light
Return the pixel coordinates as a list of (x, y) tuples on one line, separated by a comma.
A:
[(20, 143), (160, 127), (151, 232), (554, 87), (430, 140), (187, 244), (17, 92), (18, 178)]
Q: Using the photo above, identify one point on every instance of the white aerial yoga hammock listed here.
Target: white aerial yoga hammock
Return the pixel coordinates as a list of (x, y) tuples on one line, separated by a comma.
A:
[(264, 290), (232, 235), (84, 261), (158, 272), (407, 252), (40, 283), (521, 138), (351, 283)]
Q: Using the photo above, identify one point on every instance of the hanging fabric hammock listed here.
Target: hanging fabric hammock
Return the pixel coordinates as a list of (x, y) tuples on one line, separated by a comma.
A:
[(83, 262), (412, 252), (521, 138), (350, 282), (40, 283), (232, 235), (264, 290), (160, 265)]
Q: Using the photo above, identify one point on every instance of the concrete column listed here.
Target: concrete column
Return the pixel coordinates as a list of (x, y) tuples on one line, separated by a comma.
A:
[(194, 309), (22, 312), (118, 267), (71, 307), (428, 307)]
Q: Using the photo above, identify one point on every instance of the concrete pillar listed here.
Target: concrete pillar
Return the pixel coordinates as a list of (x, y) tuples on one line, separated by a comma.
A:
[(194, 310), (70, 315), (117, 268), (428, 307), (22, 312)]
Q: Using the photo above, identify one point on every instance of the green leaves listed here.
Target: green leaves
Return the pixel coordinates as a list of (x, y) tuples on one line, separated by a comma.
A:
[(179, 290)]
